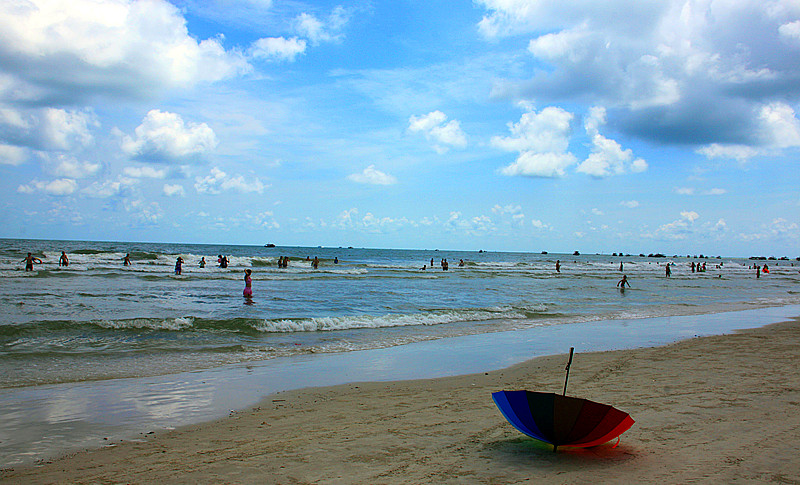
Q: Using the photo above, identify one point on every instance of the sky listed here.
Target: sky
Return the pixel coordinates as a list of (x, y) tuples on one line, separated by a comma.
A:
[(630, 126)]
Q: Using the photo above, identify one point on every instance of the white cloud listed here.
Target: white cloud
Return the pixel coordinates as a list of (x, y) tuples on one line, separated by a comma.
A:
[(12, 155), (607, 156), (790, 31), (164, 136), (671, 70), (277, 48), (173, 190), (68, 166), (219, 181), (47, 128), (327, 30), (690, 216), (373, 176), (679, 229), (143, 212), (144, 172), (542, 140), (82, 48), (109, 188), (264, 219), (693, 191), (539, 224), (630, 204), (781, 125), (509, 215), (548, 165), (435, 126), (740, 153), (58, 187)]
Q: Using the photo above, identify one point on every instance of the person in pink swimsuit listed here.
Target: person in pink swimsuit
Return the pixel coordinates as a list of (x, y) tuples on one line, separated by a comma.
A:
[(248, 282)]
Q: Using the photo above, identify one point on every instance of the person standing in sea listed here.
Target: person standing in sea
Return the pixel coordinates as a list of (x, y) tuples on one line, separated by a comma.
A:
[(63, 260), (248, 285), (624, 281), (669, 271), (29, 260), (126, 261), (558, 266), (178, 265)]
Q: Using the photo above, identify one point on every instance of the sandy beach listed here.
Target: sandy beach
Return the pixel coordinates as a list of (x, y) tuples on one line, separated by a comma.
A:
[(718, 409)]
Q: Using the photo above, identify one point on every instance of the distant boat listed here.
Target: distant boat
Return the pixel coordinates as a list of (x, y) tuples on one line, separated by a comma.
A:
[(270, 245)]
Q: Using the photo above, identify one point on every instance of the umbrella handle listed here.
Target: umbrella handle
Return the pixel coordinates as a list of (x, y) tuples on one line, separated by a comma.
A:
[(571, 350)]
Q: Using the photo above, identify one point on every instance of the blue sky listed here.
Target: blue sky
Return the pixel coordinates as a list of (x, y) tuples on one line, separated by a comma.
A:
[(619, 126)]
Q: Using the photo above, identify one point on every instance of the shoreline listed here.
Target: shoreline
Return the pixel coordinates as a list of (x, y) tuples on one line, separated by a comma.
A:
[(709, 409), (43, 422)]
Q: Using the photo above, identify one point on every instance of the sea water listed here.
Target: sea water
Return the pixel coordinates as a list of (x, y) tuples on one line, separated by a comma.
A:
[(97, 351), (99, 319)]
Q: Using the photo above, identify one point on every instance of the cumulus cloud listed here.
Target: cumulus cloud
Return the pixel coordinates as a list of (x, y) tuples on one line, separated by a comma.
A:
[(509, 214), (173, 190), (218, 181), (12, 155), (47, 128), (673, 71), (68, 166), (329, 29), (109, 188), (70, 51), (144, 172), (372, 176), (542, 140), (630, 204), (678, 229), (693, 191), (277, 48), (164, 136), (790, 31), (144, 212), (435, 127), (690, 216), (607, 156), (740, 153), (58, 187), (781, 125)]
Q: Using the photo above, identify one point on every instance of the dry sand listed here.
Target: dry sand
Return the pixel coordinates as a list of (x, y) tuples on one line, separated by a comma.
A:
[(721, 409)]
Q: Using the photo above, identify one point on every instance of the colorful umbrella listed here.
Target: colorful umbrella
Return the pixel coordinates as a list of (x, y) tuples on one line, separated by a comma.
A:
[(562, 420)]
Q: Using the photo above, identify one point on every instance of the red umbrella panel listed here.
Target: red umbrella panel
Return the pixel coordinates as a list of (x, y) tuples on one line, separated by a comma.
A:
[(562, 420)]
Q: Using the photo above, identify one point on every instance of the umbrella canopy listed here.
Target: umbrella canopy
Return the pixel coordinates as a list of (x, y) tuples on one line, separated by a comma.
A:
[(562, 420)]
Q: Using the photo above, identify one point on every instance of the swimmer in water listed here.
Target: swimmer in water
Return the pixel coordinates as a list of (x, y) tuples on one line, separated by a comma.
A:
[(624, 281), (29, 260), (63, 260), (248, 285)]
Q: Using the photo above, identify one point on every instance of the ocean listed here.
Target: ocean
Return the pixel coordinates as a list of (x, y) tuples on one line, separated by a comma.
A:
[(98, 352), (98, 319)]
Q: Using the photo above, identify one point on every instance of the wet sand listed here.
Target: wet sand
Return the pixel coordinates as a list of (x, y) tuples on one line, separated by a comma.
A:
[(718, 409)]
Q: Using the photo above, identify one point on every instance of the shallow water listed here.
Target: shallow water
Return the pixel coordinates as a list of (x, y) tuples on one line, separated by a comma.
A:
[(97, 319), (40, 422)]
